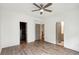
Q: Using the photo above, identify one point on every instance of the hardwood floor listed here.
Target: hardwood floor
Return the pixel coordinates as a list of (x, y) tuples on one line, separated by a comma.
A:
[(38, 48)]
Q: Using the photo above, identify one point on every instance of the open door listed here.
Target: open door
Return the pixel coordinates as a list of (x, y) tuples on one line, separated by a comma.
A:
[(60, 33), (23, 31), (39, 30), (42, 32)]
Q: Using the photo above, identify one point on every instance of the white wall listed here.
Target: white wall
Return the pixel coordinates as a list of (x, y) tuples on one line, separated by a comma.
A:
[(0, 35), (50, 29), (10, 30), (72, 30), (69, 13)]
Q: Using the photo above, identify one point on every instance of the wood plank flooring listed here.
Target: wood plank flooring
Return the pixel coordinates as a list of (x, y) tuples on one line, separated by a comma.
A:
[(38, 48)]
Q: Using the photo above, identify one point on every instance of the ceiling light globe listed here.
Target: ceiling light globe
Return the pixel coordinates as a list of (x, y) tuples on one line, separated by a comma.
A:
[(41, 10)]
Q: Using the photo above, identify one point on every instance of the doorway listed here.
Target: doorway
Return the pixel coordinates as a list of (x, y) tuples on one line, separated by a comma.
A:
[(60, 33), (39, 32), (42, 32), (23, 32)]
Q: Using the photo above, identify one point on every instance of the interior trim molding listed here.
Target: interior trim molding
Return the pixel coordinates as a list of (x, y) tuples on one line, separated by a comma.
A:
[(0, 50)]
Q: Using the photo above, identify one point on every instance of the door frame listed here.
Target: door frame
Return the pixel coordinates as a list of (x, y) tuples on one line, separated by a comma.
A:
[(62, 35), (20, 32)]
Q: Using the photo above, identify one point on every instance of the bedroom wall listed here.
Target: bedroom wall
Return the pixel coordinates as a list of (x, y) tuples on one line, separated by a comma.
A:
[(72, 30), (0, 35), (10, 32), (50, 29), (70, 15)]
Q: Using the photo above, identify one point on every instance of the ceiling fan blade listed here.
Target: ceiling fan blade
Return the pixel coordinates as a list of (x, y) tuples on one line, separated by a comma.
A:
[(48, 10), (36, 5), (35, 10), (49, 4), (41, 13)]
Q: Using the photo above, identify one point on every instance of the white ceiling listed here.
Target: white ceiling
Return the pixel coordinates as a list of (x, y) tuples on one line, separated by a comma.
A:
[(57, 8)]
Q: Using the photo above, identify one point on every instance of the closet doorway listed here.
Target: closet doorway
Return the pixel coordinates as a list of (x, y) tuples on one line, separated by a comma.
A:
[(23, 32), (60, 33), (39, 32)]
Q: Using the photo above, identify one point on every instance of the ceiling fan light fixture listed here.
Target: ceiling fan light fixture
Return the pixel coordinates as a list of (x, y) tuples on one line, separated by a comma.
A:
[(41, 10), (42, 7)]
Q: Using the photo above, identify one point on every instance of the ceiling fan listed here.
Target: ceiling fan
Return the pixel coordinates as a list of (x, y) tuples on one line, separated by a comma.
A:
[(42, 7)]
